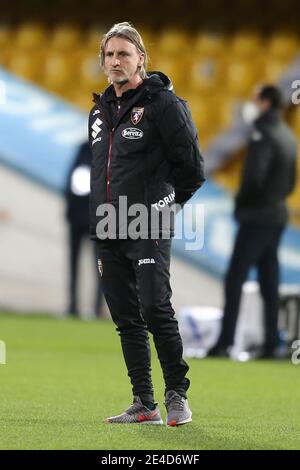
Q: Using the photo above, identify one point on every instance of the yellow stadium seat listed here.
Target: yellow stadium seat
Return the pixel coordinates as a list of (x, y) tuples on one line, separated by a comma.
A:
[(30, 37), (93, 40), (294, 199), (91, 76), (283, 46), (177, 69), (240, 78), (206, 73), (208, 45), (5, 54), (90, 69), (174, 42), (245, 45), (148, 38), (212, 114), (66, 38), (203, 112), (227, 108), (59, 72), (5, 36), (28, 66), (273, 70), (82, 99), (83, 96), (295, 121)]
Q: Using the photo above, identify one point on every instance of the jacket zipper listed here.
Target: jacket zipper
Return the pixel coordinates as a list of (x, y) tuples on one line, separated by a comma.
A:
[(108, 174), (109, 170)]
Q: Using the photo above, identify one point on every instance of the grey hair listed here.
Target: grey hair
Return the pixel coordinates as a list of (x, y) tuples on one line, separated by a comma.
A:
[(126, 31)]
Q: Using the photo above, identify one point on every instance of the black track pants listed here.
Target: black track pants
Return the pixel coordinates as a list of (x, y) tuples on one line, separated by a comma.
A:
[(255, 245), (136, 286)]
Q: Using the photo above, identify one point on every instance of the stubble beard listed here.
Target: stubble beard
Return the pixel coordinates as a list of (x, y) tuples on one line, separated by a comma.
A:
[(121, 81)]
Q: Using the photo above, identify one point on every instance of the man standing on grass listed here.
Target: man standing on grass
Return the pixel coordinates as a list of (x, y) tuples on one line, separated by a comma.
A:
[(269, 177), (145, 151)]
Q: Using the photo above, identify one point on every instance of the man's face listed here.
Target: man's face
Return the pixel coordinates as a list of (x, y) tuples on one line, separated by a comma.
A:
[(262, 105), (121, 60)]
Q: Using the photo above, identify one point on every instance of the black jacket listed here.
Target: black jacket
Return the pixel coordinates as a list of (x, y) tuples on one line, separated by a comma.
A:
[(269, 174), (77, 206), (145, 150)]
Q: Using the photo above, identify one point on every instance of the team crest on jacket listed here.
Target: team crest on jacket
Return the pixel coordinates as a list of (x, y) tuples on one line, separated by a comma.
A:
[(136, 115)]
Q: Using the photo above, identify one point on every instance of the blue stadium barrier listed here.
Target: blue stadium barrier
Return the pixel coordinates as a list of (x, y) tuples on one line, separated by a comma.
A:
[(40, 133), (219, 231)]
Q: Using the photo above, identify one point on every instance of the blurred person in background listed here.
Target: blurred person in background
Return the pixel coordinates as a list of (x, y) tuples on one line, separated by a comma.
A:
[(269, 176), (77, 193), (145, 147)]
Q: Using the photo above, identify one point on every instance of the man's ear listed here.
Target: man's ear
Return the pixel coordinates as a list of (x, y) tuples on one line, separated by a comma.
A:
[(142, 59)]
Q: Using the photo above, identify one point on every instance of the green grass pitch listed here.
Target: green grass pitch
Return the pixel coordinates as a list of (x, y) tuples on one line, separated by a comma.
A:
[(63, 377)]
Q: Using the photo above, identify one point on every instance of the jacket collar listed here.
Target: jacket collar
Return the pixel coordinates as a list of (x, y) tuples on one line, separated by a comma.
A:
[(271, 116), (153, 83)]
